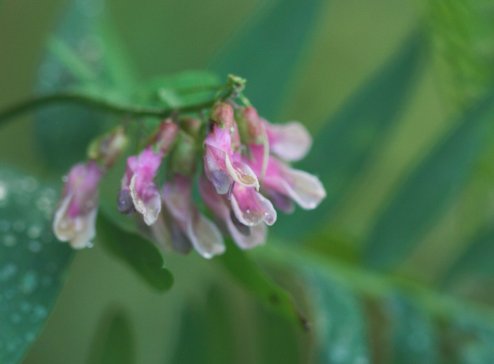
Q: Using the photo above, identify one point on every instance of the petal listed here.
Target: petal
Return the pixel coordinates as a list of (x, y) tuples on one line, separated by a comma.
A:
[(147, 201), (250, 207), (241, 173), (161, 235), (290, 141), (244, 236), (204, 236), (281, 201), (215, 169), (304, 188), (62, 226), (86, 231)]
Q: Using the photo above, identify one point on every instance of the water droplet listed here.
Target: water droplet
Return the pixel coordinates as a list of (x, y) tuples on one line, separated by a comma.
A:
[(15, 318), (8, 271), (19, 226), (29, 283), (34, 231), (34, 246), (9, 240)]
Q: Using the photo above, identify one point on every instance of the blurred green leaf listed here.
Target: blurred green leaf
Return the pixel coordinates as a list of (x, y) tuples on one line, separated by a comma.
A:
[(206, 332), (462, 33), (254, 280), (267, 52), (469, 341), (135, 251), (114, 340), (32, 261), (413, 336), (339, 321), (350, 137), (430, 188), (83, 50), (476, 262)]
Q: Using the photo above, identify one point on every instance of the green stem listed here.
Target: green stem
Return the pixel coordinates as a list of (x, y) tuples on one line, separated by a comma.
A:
[(380, 286), (106, 105)]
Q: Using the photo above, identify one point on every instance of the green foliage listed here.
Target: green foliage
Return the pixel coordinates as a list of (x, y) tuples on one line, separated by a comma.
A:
[(351, 137), (114, 341), (247, 273), (137, 252), (32, 261), (372, 310), (430, 188), (83, 52), (269, 49)]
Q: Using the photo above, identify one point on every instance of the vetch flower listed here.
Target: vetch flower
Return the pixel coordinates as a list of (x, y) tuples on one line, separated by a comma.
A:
[(76, 214), (138, 190), (224, 166), (189, 228), (245, 237), (282, 182)]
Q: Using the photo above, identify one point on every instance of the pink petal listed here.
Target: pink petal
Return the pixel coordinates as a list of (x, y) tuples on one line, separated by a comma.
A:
[(290, 141), (250, 207)]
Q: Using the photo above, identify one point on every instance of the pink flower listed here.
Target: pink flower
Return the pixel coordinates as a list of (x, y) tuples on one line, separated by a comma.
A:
[(189, 228), (245, 237), (250, 207), (76, 214), (281, 182), (290, 141), (222, 165), (138, 191)]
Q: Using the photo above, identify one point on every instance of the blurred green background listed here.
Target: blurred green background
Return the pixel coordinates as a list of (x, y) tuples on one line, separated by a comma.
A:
[(405, 238)]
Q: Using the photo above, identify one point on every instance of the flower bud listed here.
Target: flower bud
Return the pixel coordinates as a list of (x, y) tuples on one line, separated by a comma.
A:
[(183, 157), (223, 115), (108, 147), (166, 136), (256, 132)]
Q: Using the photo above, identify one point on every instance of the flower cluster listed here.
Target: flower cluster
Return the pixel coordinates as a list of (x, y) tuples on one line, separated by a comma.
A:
[(239, 161)]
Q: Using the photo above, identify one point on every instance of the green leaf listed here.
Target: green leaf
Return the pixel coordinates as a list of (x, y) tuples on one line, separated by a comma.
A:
[(255, 281), (114, 341), (350, 137), (32, 261), (469, 341), (135, 251), (208, 326), (81, 52), (430, 188), (340, 323), (475, 264), (413, 336), (267, 52)]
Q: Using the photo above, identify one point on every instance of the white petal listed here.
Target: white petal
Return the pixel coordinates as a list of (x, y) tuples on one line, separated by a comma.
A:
[(304, 188), (241, 173), (86, 230), (149, 209), (62, 227), (291, 141), (254, 235), (205, 236)]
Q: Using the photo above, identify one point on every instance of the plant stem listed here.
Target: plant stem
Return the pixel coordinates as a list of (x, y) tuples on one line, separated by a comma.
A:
[(107, 105)]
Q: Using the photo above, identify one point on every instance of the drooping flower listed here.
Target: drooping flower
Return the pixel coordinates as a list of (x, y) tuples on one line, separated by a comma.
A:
[(245, 237), (281, 182), (189, 228), (76, 214), (222, 164), (138, 190)]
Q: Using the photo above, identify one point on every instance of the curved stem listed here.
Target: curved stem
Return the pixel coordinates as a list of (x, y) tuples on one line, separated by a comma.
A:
[(95, 102)]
